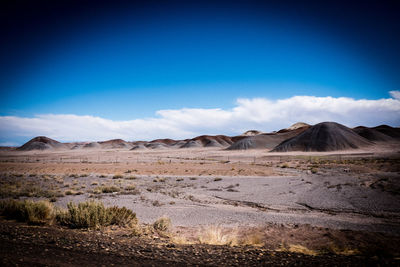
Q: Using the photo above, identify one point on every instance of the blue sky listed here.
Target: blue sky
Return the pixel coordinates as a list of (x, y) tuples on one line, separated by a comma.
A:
[(121, 61)]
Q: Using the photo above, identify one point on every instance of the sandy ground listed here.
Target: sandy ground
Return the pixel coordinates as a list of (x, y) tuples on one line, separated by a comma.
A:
[(355, 190)]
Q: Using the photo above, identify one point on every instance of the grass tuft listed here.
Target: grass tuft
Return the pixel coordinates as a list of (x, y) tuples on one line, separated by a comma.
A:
[(301, 249), (214, 235), (28, 211), (118, 176), (163, 224)]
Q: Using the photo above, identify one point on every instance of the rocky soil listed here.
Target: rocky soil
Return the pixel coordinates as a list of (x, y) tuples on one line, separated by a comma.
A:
[(22, 245)]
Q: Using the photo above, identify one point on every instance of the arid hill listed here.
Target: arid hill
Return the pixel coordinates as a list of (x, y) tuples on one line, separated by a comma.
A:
[(251, 133), (115, 143), (324, 136), (165, 141), (297, 125), (41, 143), (390, 131), (265, 141), (372, 134)]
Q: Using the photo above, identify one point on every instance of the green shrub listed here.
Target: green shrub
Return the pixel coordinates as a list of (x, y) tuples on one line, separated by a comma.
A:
[(122, 216), (94, 215)]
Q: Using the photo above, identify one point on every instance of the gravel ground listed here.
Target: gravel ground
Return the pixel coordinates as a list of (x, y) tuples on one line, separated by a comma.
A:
[(337, 201)]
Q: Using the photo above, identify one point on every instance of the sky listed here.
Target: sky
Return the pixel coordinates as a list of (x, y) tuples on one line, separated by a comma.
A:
[(97, 70)]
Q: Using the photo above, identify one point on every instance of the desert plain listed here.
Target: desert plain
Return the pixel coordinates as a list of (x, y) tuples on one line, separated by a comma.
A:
[(253, 206)]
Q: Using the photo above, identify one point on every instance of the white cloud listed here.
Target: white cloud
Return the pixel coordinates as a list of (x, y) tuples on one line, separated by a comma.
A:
[(258, 113), (395, 94)]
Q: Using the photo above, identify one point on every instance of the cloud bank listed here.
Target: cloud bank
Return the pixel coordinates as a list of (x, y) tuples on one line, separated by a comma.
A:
[(257, 113)]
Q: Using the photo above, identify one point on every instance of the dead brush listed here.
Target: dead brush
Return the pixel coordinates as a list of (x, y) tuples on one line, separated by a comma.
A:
[(216, 235), (163, 224)]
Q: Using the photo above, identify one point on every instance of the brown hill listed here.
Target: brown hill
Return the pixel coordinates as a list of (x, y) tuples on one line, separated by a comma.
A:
[(324, 136), (372, 134), (91, 145), (115, 143), (297, 125), (390, 131), (41, 143), (208, 141), (265, 141), (165, 141), (251, 133)]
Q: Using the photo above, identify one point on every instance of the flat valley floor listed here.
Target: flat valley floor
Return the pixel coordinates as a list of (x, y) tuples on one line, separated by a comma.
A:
[(346, 203)]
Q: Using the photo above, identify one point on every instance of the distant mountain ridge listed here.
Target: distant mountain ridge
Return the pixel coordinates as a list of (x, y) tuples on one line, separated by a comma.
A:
[(324, 136)]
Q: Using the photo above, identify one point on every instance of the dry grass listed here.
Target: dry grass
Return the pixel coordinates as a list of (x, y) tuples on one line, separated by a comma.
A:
[(94, 215), (118, 176), (106, 189), (130, 187), (163, 224), (344, 251), (26, 190), (252, 239), (41, 212), (301, 249), (215, 235)]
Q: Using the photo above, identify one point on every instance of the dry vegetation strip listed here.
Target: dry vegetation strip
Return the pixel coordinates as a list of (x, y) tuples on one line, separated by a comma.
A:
[(147, 168), (88, 214)]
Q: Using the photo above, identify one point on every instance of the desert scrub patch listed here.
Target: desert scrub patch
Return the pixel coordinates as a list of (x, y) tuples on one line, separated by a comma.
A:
[(130, 190), (179, 179), (40, 212), (300, 249), (118, 176), (26, 190), (216, 235), (131, 177), (106, 189), (73, 193), (162, 224), (95, 215), (156, 203), (130, 187), (84, 175)]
